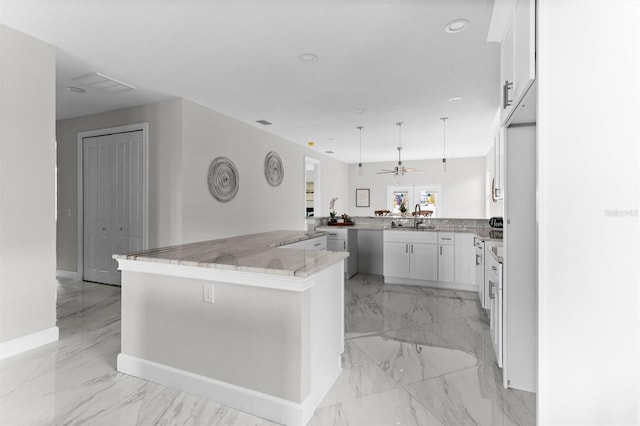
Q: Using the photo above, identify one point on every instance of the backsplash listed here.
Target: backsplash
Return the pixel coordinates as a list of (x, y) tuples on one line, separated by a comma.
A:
[(385, 221)]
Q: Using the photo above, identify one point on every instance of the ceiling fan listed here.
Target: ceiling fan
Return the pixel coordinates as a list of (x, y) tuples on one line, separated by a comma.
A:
[(399, 170)]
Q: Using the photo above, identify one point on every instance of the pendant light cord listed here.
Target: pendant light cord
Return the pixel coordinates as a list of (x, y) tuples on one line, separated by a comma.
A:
[(360, 128), (444, 136)]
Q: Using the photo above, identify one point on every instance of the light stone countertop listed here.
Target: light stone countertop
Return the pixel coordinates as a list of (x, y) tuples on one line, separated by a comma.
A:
[(256, 253), (484, 234)]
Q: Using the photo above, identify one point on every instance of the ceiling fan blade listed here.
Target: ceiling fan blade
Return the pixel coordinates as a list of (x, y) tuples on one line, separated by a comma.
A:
[(383, 172), (412, 170)]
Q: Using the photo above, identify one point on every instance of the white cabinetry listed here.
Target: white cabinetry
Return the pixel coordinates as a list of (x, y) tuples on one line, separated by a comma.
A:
[(494, 280), (517, 54), (343, 239), (318, 243), (410, 256), (445, 257), (436, 259), (465, 258), (520, 259)]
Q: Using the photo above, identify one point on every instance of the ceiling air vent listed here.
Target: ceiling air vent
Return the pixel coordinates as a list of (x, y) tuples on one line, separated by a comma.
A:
[(101, 81), (264, 122)]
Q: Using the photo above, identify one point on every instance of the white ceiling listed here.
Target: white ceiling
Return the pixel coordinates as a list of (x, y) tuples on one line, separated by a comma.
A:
[(240, 57)]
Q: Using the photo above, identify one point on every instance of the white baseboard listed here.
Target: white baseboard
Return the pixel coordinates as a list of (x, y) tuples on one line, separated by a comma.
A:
[(434, 284), (30, 341), (257, 403), (60, 273)]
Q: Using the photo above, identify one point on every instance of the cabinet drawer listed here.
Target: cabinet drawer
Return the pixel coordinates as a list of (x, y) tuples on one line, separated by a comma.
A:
[(337, 245), (334, 233), (319, 243), (420, 237), (445, 238)]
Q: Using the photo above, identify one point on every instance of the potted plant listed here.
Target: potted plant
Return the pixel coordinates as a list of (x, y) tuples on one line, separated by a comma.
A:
[(332, 210), (403, 207)]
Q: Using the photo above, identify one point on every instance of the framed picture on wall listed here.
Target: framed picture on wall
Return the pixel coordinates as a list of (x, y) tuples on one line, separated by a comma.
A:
[(362, 198)]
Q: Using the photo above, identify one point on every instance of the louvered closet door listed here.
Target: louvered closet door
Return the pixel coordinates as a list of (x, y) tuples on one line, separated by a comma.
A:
[(112, 193)]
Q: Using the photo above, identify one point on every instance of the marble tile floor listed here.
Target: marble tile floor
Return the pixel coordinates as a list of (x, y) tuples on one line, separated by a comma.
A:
[(413, 356)]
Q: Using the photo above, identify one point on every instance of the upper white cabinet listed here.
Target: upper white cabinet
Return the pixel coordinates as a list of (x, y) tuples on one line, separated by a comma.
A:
[(515, 21)]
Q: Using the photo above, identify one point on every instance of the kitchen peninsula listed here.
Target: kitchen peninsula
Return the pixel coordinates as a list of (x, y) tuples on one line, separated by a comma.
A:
[(243, 321)]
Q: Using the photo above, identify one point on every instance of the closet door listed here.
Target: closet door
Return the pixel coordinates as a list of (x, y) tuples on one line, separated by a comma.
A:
[(112, 194)]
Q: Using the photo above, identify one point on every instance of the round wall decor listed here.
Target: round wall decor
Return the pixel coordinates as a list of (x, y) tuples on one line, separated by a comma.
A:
[(273, 169), (223, 179)]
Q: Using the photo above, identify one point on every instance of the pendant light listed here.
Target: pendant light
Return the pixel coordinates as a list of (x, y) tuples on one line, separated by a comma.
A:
[(444, 143), (360, 163)]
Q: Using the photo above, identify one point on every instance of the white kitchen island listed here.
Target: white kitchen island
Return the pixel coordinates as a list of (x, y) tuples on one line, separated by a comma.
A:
[(239, 320)]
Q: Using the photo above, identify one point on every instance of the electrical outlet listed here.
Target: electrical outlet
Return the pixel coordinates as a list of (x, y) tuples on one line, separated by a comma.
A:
[(207, 290)]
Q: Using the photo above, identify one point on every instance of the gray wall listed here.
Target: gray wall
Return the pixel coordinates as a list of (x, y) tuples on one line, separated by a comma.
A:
[(463, 185), (184, 138), (164, 120), (27, 162)]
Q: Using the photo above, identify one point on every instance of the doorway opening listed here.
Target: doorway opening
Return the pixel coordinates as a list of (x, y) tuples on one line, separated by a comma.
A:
[(312, 187)]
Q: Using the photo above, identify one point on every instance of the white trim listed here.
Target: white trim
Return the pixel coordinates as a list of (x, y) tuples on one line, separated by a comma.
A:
[(255, 279), (60, 273), (145, 184), (30, 341), (436, 284), (250, 401)]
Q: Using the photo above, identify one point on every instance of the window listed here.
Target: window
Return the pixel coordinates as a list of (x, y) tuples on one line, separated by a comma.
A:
[(427, 196)]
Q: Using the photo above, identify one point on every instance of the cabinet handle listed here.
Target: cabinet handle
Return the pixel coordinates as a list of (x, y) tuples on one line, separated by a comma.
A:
[(505, 94), (492, 285), (440, 250), (344, 245), (493, 268), (104, 229), (411, 248), (316, 244), (406, 248), (477, 259), (444, 238)]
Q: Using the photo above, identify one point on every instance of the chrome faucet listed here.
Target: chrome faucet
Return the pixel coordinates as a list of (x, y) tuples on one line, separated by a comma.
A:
[(417, 212)]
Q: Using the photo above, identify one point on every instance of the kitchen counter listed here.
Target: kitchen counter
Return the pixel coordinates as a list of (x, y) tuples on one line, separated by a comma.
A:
[(484, 234), (258, 253), (240, 321)]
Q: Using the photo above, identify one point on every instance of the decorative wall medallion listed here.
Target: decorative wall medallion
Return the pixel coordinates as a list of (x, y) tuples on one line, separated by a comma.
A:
[(273, 169), (223, 179)]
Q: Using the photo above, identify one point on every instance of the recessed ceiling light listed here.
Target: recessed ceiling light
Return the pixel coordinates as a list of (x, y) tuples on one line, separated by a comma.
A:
[(264, 122), (455, 99), (456, 26), (361, 110), (329, 152), (308, 58), (76, 89)]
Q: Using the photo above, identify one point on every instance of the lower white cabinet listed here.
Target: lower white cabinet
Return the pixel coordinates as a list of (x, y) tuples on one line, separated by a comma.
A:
[(465, 259), (343, 239), (430, 258), (424, 264), (446, 250), (496, 317), (410, 256), (318, 243)]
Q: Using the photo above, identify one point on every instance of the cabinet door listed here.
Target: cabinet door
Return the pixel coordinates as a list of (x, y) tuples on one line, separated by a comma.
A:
[(465, 259), (336, 245), (507, 73), (445, 263), (424, 262), (523, 46), (396, 260)]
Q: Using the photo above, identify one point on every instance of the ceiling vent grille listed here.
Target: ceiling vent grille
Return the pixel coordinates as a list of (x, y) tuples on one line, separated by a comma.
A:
[(101, 81)]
